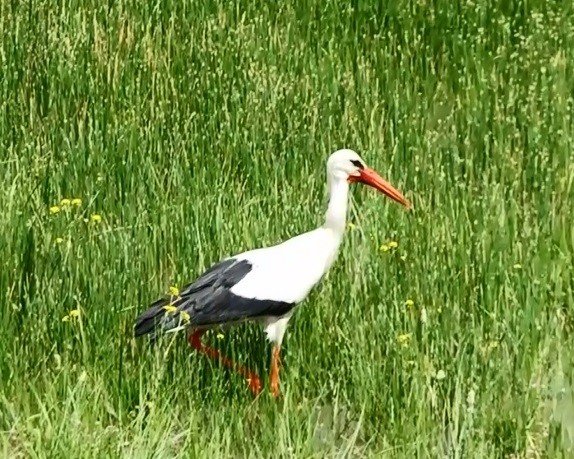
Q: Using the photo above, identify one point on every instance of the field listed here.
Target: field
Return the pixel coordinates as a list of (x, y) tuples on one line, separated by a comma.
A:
[(142, 141)]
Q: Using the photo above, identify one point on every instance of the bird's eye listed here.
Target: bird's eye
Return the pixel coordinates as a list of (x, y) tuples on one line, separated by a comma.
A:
[(357, 163)]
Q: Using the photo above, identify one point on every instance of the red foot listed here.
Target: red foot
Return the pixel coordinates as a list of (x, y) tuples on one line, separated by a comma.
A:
[(255, 385)]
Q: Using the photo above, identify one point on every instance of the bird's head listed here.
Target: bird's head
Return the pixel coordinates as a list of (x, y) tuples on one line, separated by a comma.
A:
[(348, 165)]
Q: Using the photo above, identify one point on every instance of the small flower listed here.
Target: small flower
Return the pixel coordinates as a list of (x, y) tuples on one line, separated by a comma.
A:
[(220, 336), (73, 314), (54, 209), (170, 308), (409, 303), (65, 202), (59, 240), (351, 226), (185, 316), (96, 218), (440, 375), (76, 202), (517, 266), (173, 291), (404, 339), (393, 244), (384, 248)]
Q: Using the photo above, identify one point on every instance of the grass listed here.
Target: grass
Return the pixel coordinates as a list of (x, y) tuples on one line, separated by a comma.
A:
[(197, 130)]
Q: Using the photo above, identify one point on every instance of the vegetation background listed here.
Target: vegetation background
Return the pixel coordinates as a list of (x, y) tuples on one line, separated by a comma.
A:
[(142, 141)]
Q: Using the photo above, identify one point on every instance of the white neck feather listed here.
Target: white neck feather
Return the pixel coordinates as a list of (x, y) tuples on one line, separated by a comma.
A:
[(336, 215)]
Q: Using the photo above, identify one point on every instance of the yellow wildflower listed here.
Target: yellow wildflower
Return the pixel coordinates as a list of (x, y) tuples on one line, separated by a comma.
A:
[(73, 314), (393, 244), (385, 248), (170, 308), (404, 339), (54, 209), (220, 336), (65, 202), (351, 226), (173, 291), (96, 218), (185, 316), (59, 240), (409, 303), (76, 202)]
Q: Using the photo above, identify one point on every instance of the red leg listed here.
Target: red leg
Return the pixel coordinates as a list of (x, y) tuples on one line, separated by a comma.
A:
[(274, 374), (253, 380)]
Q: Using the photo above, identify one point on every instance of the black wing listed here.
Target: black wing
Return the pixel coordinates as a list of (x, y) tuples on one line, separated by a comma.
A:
[(209, 301)]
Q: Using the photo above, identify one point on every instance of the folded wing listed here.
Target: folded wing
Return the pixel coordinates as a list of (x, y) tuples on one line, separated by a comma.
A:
[(209, 301)]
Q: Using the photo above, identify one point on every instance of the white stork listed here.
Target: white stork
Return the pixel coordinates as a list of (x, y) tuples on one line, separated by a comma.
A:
[(266, 284)]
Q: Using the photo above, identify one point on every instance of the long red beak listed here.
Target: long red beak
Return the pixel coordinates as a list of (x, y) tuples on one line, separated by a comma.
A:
[(373, 179)]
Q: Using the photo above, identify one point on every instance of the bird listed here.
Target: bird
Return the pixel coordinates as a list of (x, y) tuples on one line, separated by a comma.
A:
[(267, 284)]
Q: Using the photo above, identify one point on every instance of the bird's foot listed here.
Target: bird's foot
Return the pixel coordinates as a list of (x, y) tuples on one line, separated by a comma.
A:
[(255, 385), (275, 388)]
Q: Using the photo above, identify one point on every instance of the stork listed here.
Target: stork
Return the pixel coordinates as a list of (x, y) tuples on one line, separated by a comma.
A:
[(265, 285)]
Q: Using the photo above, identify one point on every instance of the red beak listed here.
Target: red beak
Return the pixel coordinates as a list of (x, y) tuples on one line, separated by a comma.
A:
[(373, 179)]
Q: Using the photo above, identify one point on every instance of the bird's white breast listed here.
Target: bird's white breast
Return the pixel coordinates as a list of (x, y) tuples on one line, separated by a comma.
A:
[(287, 272)]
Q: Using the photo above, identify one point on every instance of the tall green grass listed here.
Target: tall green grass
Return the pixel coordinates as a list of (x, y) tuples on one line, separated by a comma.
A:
[(200, 129)]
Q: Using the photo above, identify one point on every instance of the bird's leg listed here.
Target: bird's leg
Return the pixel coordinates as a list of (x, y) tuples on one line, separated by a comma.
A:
[(253, 380), (274, 374)]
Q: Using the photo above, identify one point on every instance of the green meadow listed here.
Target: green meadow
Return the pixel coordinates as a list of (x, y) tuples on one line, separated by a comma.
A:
[(140, 142)]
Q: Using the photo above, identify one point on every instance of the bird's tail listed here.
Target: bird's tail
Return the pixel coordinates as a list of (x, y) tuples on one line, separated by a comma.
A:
[(161, 316), (148, 321)]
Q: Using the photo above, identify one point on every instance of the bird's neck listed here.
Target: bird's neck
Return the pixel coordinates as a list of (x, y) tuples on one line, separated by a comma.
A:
[(337, 210)]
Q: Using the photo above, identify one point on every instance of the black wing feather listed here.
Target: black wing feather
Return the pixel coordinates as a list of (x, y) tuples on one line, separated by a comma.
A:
[(209, 301)]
